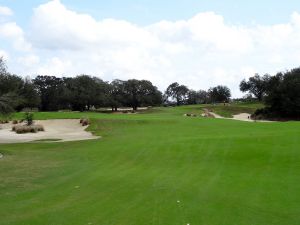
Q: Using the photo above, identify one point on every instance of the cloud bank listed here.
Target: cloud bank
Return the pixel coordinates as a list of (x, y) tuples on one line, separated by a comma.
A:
[(200, 52)]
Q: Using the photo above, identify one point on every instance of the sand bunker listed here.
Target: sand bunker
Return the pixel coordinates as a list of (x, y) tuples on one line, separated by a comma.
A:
[(241, 117), (61, 130)]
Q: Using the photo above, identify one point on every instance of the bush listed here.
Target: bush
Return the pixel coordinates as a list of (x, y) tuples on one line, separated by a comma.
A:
[(85, 122), (15, 122), (29, 118), (22, 129)]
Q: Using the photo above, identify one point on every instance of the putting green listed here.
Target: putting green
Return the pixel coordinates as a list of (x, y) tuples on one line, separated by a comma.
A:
[(158, 168)]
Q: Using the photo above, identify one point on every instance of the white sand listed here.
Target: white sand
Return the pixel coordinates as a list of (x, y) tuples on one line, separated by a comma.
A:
[(241, 117), (64, 129)]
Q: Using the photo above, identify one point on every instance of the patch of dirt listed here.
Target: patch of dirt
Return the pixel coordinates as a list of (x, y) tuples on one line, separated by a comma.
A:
[(60, 129)]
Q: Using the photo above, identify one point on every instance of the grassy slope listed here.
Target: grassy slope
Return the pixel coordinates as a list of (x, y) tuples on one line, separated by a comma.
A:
[(223, 172), (235, 108)]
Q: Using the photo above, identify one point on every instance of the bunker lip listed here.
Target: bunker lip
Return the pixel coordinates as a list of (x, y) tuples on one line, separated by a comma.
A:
[(62, 130)]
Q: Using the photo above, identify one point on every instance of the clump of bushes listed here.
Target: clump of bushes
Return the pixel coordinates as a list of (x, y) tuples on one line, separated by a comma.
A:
[(190, 115), (4, 121), (84, 121), (28, 127), (22, 129)]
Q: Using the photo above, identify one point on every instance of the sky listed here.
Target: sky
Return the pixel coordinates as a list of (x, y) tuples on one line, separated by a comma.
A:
[(196, 43)]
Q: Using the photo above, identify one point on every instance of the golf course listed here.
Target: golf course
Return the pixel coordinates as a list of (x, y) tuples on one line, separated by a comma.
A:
[(156, 167)]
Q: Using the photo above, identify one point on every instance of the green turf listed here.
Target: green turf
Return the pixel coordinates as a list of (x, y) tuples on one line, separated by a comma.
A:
[(222, 172)]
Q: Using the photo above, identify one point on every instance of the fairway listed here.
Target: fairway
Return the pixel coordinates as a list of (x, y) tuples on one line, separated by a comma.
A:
[(155, 168)]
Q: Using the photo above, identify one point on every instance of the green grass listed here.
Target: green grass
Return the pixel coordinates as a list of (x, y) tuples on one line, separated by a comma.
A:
[(223, 172)]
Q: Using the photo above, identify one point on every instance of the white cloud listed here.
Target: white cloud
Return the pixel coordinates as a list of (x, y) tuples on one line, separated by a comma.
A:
[(200, 52), (13, 33), (5, 11), (4, 54)]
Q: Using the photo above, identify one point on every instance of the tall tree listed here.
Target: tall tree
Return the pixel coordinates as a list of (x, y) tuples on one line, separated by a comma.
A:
[(116, 96), (219, 94), (3, 67), (197, 97), (28, 96), (177, 92), (50, 90), (141, 93), (283, 94), (7, 103), (256, 85), (87, 91)]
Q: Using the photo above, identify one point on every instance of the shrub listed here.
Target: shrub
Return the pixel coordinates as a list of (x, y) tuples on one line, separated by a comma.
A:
[(15, 122), (85, 122), (29, 118), (22, 129)]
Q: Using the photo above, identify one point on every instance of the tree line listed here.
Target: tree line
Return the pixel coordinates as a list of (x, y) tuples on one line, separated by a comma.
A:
[(280, 94), (83, 92)]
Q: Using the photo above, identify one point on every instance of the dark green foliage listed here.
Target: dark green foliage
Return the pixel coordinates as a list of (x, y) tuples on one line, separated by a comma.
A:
[(51, 90), (86, 91), (283, 94), (197, 97), (219, 94), (257, 85), (177, 92), (6, 104), (141, 93), (17, 93), (28, 117)]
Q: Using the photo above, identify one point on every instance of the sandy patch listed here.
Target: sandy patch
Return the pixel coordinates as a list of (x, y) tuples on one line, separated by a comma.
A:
[(241, 117), (62, 129)]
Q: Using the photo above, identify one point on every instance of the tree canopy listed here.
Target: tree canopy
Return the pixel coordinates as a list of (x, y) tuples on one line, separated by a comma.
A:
[(256, 85), (219, 94)]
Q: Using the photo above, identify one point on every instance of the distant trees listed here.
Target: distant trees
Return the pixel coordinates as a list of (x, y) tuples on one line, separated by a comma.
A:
[(177, 92), (116, 96), (181, 94), (138, 93), (280, 93), (283, 94), (51, 92), (219, 94), (6, 104), (197, 97), (85, 92), (15, 92), (256, 85)]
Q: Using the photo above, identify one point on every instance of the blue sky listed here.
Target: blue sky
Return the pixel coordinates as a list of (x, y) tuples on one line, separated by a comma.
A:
[(196, 43), (145, 12)]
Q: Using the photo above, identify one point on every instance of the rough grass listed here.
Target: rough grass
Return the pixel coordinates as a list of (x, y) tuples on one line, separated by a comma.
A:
[(23, 129), (158, 168)]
